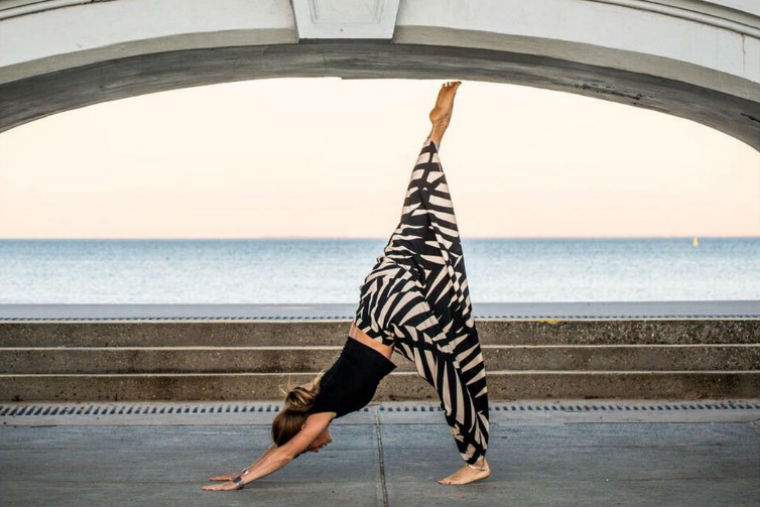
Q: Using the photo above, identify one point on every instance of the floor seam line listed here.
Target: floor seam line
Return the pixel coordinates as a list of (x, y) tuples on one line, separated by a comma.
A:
[(380, 461)]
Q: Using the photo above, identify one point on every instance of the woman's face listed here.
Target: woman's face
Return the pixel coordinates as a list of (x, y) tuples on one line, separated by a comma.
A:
[(322, 440)]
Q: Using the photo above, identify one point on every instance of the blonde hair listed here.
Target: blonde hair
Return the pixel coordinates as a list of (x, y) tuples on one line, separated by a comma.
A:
[(295, 410)]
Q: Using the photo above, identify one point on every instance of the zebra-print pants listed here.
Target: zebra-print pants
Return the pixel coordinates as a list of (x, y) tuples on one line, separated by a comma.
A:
[(416, 298)]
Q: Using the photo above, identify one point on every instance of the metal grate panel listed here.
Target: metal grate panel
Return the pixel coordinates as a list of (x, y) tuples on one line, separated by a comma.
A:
[(13, 410)]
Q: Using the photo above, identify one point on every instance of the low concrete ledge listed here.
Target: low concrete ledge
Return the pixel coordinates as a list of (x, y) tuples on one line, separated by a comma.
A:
[(613, 310), (612, 350), (502, 385), (305, 333), (315, 358)]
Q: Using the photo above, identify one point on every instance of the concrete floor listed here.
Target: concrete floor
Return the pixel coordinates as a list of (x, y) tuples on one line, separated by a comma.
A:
[(628, 454)]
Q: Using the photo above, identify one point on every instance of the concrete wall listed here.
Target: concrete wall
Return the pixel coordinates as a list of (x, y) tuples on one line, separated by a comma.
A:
[(654, 359)]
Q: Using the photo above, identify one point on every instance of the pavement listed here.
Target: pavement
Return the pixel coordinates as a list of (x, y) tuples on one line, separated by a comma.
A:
[(549, 452)]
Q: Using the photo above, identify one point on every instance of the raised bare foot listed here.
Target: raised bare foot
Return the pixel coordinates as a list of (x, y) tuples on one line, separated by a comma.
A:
[(466, 475), (444, 104), (441, 113)]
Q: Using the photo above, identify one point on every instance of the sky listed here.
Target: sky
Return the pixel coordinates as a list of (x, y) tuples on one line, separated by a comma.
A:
[(331, 158)]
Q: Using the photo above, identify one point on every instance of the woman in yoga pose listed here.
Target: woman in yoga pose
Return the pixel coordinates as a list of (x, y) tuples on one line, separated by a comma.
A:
[(414, 300)]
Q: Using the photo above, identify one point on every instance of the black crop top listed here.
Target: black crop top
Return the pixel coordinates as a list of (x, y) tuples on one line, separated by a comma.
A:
[(350, 383)]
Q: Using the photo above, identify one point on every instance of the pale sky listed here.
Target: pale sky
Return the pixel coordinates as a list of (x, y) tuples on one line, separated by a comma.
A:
[(324, 157)]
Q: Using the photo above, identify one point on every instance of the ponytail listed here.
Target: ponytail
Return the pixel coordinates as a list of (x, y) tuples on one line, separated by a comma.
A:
[(298, 401)]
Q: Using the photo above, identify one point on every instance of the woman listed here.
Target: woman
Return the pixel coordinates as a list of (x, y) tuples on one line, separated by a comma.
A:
[(414, 300)]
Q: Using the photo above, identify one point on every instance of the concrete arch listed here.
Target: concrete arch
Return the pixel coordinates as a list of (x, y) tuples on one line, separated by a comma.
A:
[(695, 59)]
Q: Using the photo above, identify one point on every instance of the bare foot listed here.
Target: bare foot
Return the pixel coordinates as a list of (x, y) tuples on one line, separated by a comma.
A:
[(444, 104), (441, 113), (466, 475)]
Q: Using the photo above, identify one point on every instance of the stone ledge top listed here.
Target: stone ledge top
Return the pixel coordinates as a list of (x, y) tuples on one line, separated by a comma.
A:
[(613, 310)]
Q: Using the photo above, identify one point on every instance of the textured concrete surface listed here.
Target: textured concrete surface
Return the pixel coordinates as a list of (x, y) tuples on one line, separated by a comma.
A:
[(502, 385), (273, 359), (32, 98), (571, 311), (302, 333), (388, 458), (218, 360)]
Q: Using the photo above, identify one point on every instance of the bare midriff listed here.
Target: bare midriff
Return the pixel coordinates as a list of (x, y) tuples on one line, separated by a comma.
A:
[(358, 335)]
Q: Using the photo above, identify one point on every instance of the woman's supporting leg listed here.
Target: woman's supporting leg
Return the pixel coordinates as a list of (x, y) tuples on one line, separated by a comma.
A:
[(455, 371)]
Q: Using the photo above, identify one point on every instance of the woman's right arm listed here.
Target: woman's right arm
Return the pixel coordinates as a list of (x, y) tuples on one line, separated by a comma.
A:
[(229, 477), (281, 456)]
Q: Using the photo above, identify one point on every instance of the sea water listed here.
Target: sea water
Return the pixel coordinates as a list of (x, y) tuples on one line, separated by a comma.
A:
[(331, 270)]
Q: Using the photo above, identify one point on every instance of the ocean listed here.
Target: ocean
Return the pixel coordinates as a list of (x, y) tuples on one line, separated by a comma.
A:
[(331, 271)]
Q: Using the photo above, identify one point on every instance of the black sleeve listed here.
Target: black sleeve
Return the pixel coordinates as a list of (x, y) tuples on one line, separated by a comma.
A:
[(325, 401)]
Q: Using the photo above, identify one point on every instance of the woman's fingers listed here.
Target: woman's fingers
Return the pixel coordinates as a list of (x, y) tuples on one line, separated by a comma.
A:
[(225, 477), (225, 486)]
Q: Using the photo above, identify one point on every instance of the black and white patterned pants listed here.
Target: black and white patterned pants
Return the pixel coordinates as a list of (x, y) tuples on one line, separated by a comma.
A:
[(416, 298)]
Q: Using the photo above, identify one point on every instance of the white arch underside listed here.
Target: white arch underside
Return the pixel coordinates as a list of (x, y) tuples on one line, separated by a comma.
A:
[(658, 54)]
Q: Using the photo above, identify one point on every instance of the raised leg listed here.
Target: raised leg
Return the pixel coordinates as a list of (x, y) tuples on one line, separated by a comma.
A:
[(427, 240)]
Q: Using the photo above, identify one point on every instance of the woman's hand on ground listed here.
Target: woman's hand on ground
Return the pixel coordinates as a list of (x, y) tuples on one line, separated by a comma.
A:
[(222, 478), (225, 486)]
